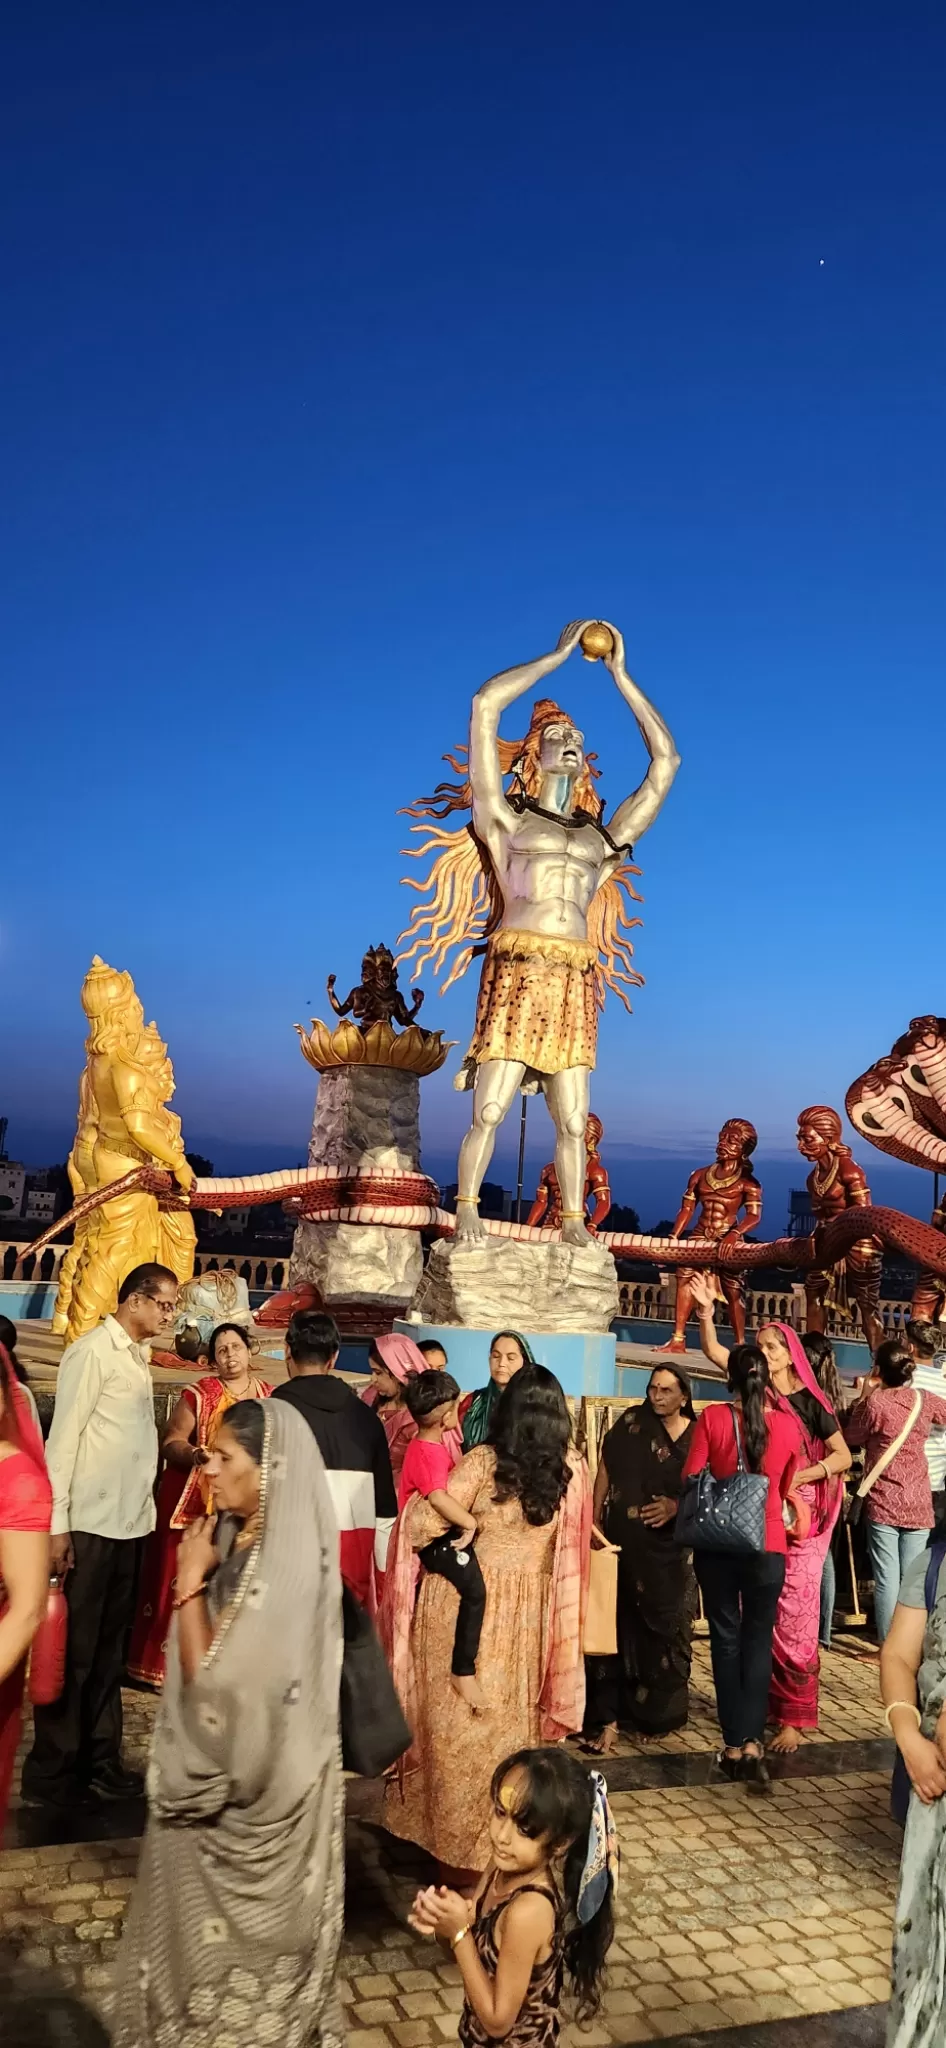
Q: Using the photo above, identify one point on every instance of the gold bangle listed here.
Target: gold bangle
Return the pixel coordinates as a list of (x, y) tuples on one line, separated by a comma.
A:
[(181, 1599), (571, 1214), (455, 1939), (470, 1201), (911, 1709)]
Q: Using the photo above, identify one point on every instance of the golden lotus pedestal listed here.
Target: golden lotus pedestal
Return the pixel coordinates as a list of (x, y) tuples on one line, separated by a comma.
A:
[(367, 1115)]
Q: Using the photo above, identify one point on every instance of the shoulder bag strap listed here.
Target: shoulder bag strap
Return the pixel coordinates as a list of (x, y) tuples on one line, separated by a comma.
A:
[(886, 1458)]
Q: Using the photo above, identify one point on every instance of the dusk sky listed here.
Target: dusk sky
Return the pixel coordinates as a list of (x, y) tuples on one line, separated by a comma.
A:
[(345, 357)]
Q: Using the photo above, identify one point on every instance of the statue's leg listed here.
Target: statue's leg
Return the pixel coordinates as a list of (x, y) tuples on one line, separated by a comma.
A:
[(567, 1098), (127, 1236), (927, 1298), (816, 1288), (682, 1306), (734, 1289), (864, 1282), (493, 1095)]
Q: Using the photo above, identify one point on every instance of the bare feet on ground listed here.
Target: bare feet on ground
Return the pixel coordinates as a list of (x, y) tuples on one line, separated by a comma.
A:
[(785, 1741), (606, 1743)]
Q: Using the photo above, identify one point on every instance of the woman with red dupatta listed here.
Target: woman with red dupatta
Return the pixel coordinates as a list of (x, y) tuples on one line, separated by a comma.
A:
[(793, 1694), (183, 1491), (26, 1503)]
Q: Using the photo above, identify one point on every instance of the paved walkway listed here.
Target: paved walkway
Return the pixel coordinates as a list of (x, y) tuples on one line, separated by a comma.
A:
[(734, 1910)]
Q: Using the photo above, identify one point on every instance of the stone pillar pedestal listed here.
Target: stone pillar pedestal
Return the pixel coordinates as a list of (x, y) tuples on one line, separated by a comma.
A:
[(365, 1116)]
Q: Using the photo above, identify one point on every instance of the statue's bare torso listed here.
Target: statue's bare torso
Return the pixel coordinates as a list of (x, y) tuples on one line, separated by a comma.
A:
[(548, 872)]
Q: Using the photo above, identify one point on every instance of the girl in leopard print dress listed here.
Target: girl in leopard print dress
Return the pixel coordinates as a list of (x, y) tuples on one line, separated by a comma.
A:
[(542, 1912)]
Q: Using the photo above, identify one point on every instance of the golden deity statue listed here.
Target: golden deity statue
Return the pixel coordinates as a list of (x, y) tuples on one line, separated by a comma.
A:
[(124, 1124)]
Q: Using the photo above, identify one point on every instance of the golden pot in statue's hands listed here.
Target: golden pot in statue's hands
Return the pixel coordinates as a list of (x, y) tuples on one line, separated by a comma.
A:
[(597, 641)]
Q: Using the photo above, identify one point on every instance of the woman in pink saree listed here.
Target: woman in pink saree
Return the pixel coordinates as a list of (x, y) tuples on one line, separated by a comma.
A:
[(793, 1695)]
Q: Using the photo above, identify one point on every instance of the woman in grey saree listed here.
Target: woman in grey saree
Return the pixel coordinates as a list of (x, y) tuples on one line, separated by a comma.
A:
[(234, 1926), (913, 1683)]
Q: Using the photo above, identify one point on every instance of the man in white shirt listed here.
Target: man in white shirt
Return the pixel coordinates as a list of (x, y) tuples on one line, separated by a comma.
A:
[(927, 1342), (102, 1456)]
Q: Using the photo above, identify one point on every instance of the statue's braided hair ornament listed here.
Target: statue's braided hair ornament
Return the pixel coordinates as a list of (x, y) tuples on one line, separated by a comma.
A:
[(465, 905)]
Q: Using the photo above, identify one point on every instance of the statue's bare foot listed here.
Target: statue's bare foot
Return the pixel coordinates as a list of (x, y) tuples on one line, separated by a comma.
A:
[(470, 1226), (677, 1345), (574, 1231)]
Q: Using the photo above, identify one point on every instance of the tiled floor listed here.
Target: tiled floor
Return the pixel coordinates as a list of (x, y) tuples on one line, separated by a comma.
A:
[(734, 1910)]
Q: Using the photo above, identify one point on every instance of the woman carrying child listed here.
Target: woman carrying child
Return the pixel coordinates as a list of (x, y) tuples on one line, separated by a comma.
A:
[(431, 1399), (530, 1496), (544, 1908)]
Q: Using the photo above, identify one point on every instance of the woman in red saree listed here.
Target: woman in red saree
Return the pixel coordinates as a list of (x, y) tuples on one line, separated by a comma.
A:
[(183, 1491), (25, 1512)]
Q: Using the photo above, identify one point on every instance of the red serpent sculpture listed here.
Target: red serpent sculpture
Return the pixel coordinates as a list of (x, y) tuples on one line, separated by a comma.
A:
[(403, 1200)]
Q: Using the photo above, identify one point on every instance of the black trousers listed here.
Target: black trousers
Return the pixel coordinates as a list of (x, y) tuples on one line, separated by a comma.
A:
[(740, 1596), (82, 1730), (440, 1558)]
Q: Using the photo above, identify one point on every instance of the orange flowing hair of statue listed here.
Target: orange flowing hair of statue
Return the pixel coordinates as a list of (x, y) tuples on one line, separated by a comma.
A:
[(464, 901)]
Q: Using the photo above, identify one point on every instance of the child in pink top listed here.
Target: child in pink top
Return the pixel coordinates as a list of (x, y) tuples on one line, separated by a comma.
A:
[(431, 1398)]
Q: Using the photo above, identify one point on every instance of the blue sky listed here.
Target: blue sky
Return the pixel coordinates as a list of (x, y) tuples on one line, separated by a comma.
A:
[(343, 361)]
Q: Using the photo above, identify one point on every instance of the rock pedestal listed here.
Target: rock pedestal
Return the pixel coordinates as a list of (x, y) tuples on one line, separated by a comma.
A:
[(367, 1116), (497, 1282)]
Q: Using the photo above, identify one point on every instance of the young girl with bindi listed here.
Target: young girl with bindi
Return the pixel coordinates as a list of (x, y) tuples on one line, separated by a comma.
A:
[(543, 1910)]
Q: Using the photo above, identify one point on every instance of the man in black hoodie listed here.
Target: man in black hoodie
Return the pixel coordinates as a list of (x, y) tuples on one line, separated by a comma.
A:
[(353, 1445)]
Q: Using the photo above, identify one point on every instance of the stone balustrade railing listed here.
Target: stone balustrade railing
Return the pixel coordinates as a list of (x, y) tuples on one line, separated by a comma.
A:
[(262, 1275), (651, 1301), (646, 1301)]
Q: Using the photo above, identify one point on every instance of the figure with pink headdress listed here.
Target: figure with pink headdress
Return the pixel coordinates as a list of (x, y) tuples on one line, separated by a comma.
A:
[(793, 1694), (392, 1361)]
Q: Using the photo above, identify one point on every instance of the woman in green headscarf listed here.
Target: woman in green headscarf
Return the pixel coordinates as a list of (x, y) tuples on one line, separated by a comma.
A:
[(507, 1353)]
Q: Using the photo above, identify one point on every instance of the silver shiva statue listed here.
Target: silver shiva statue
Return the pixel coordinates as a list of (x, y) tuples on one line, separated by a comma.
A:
[(550, 906)]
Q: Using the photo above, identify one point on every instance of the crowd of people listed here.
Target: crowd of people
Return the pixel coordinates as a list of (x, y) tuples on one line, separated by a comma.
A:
[(464, 1525)]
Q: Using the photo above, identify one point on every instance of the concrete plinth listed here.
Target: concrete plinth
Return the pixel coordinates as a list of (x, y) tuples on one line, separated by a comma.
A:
[(368, 1115)]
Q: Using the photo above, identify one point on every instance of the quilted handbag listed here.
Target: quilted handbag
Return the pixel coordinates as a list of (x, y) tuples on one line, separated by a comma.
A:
[(724, 1514)]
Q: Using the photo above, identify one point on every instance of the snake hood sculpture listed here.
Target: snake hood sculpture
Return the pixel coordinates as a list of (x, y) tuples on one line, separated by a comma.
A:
[(899, 1105)]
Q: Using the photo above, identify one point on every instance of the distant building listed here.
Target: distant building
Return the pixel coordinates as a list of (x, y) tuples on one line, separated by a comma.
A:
[(12, 1187), (801, 1216), (230, 1223), (41, 1204), (495, 1202)]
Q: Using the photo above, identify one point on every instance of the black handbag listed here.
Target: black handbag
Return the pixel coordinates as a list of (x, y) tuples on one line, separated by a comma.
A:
[(374, 1731), (724, 1514)]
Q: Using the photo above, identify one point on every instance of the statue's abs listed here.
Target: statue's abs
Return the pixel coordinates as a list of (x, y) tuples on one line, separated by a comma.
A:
[(549, 876)]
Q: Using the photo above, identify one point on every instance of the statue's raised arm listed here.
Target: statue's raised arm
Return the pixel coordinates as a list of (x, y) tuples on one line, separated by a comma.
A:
[(638, 811), (491, 815)]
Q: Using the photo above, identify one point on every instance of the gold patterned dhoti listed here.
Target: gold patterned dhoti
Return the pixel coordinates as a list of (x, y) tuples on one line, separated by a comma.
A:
[(537, 1003)]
